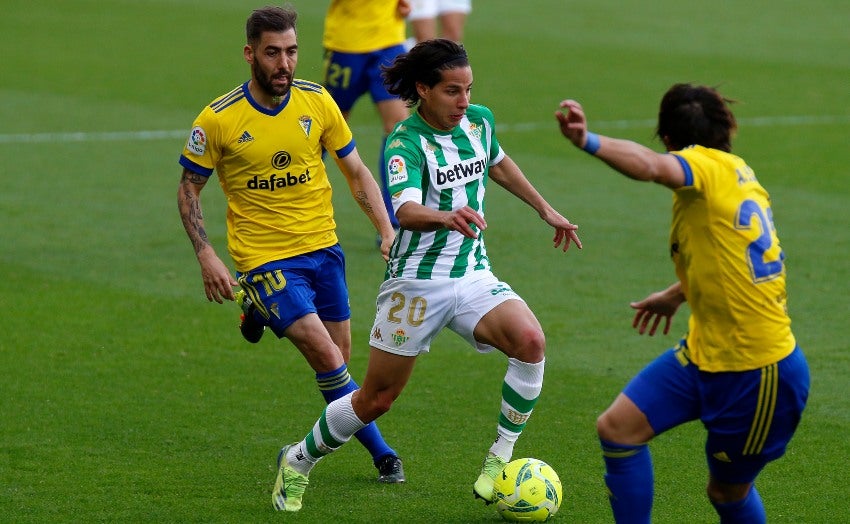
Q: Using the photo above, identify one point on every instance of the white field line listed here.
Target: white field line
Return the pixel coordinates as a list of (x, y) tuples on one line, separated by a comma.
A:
[(526, 127)]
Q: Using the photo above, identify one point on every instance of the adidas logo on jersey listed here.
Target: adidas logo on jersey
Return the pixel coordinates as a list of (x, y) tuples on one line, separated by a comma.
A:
[(246, 137)]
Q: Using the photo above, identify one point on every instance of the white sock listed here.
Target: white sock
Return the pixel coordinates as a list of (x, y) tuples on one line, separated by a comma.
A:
[(522, 386), (341, 423)]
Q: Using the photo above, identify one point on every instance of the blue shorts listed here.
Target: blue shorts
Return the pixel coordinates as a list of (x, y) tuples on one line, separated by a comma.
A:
[(348, 76), (286, 290), (750, 415)]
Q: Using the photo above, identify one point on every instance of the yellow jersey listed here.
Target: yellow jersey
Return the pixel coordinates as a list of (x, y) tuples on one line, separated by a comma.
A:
[(269, 165), (363, 26), (727, 256)]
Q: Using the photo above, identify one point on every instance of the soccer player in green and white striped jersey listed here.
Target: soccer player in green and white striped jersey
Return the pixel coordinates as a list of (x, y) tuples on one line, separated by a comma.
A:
[(439, 163)]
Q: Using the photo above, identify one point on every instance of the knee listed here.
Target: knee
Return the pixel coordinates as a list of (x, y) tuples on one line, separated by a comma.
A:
[(532, 345), (383, 402), (723, 493), (370, 405), (626, 428), (606, 428)]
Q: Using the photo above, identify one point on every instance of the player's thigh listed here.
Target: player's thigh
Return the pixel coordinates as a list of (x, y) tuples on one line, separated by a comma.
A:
[(328, 280), (666, 391), (480, 294)]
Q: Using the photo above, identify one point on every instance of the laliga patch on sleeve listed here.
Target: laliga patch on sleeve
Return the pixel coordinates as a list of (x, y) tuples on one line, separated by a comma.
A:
[(197, 144), (396, 170)]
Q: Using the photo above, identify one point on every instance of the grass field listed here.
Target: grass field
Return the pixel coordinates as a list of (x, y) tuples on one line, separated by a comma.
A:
[(126, 397)]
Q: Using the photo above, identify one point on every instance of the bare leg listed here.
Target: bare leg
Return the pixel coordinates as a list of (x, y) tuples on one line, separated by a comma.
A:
[(453, 25), (424, 29), (386, 376)]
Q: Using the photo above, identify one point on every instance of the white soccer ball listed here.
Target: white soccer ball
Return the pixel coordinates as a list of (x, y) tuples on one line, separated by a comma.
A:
[(527, 490)]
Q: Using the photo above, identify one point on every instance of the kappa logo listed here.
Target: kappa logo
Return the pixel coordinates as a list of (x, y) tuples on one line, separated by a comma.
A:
[(246, 137), (376, 334)]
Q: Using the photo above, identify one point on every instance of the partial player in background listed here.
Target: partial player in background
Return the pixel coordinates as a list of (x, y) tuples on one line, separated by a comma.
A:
[(427, 16), (360, 36), (264, 139), (738, 369), (439, 275)]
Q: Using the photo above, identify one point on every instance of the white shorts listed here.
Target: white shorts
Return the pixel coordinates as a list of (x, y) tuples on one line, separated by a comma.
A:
[(430, 8), (411, 312)]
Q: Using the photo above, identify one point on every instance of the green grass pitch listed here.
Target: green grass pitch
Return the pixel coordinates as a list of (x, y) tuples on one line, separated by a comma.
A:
[(126, 397)]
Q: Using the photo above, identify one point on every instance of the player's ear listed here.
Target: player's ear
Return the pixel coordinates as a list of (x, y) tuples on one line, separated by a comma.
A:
[(422, 90), (248, 52)]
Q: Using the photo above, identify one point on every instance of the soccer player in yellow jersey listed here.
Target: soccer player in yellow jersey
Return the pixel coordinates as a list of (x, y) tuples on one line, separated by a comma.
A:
[(359, 37), (264, 139), (738, 369)]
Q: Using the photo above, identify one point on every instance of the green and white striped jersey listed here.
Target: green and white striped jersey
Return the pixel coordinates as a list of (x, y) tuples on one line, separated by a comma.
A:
[(445, 171)]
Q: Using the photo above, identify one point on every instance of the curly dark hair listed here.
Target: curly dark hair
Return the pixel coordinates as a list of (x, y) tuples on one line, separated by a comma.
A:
[(696, 115), (424, 63)]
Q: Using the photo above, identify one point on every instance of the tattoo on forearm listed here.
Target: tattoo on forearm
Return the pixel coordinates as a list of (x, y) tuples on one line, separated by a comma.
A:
[(363, 200), (190, 210)]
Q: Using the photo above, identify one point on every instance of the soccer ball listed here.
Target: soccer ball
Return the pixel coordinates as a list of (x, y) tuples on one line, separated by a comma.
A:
[(527, 490)]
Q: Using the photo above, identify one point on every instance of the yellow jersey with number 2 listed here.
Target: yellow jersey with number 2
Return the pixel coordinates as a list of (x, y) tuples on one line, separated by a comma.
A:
[(727, 256)]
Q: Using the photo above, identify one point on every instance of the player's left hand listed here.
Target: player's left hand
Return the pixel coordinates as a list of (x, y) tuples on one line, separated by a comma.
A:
[(565, 231), (572, 122), (657, 306), (386, 244)]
